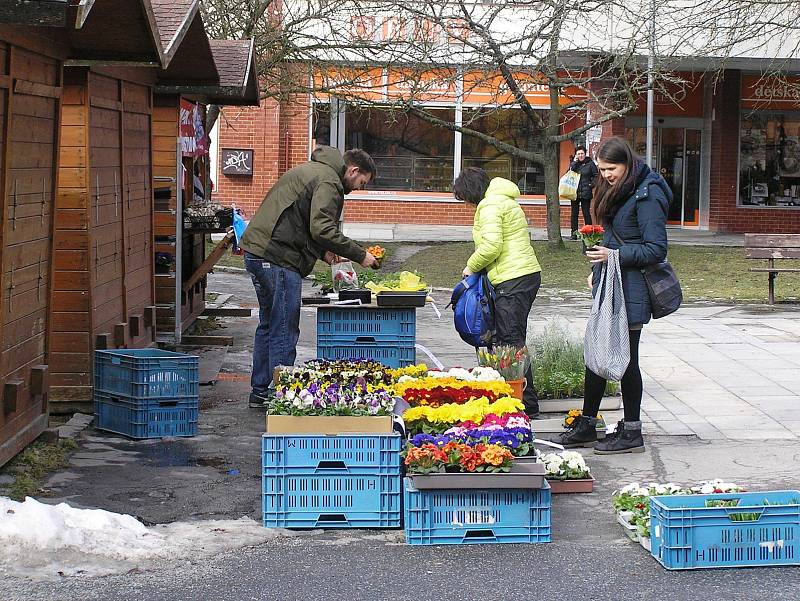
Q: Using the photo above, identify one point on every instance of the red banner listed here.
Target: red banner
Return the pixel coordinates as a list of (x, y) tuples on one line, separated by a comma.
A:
[(194, 142)]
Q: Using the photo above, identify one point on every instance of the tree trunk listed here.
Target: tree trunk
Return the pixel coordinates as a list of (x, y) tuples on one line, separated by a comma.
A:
[(551, 177), (551, 170)]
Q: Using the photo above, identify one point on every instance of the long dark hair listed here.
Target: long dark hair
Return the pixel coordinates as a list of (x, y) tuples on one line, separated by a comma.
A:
[(606, 197)]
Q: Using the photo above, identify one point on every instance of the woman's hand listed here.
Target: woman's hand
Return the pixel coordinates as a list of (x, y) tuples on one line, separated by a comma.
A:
[(597, 254), (589, 280), (467, 272)]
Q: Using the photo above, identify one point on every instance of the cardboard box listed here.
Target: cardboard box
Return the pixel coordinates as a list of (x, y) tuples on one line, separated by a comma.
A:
[(295, 424)]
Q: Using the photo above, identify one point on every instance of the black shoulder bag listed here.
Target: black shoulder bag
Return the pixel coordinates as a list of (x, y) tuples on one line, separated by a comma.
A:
[(662, 285)]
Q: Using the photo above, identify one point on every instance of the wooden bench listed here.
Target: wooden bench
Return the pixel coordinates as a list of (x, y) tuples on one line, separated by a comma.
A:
[(772, 247)]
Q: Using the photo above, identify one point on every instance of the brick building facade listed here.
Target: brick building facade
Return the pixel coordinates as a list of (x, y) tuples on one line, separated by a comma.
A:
[(698, 146)]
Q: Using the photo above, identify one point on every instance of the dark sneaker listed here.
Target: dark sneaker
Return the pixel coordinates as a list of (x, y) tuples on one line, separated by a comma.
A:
[(260, 400), (621, 441), (582, 433)]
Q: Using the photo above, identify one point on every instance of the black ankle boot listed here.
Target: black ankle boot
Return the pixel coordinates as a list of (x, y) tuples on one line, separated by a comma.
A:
[(582, 433), (623, 440)]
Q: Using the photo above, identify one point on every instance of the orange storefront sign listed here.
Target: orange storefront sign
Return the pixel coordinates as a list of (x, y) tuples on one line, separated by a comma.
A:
[(436, 85), (492, 88), (763, 92)]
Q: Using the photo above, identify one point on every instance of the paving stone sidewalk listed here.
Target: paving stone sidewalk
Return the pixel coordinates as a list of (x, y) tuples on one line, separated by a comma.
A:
[(714, 371), (718, 372)]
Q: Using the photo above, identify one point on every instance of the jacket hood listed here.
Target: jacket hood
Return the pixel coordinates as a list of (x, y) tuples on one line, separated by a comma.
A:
[(653, 179), (329, 156), (500, 186)]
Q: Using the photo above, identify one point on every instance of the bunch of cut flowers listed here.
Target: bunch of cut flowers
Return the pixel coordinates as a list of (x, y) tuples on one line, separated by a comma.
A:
[(591, 235), (510, 362), (457, 457), (512, 431), (332, 398), (437, 391)]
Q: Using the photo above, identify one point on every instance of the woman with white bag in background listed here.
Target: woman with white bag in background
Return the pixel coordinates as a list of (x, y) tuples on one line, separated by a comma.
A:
[(630, 201)]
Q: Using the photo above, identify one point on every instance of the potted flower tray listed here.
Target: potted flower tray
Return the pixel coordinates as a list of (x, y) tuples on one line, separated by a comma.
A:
[(630, 529), (522, 475), (328, 424), (571, 486)]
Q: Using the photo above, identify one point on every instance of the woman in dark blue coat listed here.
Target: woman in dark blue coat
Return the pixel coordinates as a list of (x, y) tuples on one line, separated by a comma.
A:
[(631, 203)]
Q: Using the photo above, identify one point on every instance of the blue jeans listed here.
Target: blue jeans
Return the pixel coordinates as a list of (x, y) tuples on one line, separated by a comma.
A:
[(278, 290)]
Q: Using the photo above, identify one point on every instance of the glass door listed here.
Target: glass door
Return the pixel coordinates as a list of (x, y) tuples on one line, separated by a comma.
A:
[(677, 159)]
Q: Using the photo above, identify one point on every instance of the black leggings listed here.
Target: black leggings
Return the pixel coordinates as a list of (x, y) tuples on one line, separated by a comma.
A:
[(631, 383)]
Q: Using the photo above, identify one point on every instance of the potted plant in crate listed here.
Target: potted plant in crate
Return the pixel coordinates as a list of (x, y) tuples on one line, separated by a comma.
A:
[(330, 407), (567, 472), (456, 465), (510, 361), (558, 372)]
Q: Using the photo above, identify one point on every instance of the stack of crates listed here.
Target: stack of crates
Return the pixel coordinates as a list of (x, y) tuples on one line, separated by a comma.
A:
[(146, 393), (476, 516), (386, 335), (343, 481)]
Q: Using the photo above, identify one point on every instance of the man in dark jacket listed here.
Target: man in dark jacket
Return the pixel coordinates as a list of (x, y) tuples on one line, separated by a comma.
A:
[(585, 167), (297, 224)]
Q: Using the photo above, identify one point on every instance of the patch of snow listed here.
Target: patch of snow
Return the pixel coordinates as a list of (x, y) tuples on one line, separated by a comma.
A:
[(41, 542)]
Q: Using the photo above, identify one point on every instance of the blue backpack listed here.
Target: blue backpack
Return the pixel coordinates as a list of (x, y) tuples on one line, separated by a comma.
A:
[(473, 310)]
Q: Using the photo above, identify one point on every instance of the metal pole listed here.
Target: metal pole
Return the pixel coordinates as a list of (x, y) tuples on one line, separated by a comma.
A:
[(178, 240), (650, 93)]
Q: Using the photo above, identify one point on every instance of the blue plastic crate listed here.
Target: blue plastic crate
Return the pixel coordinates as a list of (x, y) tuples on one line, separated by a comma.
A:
[(365, 454), (146, 373), (367, 324), (464, 517), (333, 500), (146, 420), (685, 534), (390, 355)]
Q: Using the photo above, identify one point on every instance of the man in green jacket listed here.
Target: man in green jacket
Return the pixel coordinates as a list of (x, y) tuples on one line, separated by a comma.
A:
[(297, 224)]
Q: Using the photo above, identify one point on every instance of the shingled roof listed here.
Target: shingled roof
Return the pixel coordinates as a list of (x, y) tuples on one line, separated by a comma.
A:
[(237, 82), (172, 20), (232, 58)]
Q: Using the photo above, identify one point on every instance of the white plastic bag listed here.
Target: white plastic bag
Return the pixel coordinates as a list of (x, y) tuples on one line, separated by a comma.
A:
[(568, 185), (344, 276), (606, 346)]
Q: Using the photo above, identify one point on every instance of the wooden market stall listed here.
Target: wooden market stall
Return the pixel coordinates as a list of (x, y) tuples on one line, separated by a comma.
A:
[(102, 294), (30, 89), (180, 148), (77, 132)]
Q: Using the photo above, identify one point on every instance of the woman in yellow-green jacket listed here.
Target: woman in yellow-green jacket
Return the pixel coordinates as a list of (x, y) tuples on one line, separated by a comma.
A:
[(503, 248)]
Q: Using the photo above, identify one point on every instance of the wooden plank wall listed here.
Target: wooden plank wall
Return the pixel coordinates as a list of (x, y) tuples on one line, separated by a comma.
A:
[(70, 346), (30, 94), (138, 201), (105, 209)]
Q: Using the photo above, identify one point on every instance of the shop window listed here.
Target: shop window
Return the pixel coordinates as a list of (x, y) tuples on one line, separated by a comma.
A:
[(410, 153), (321, 125), (769, 165), (510, 126)]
